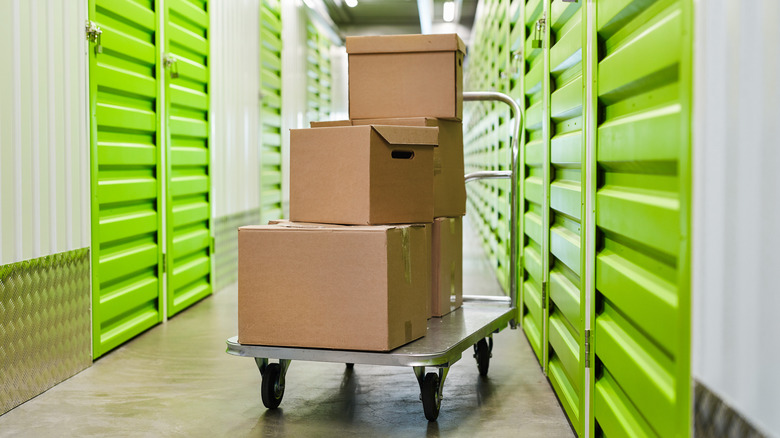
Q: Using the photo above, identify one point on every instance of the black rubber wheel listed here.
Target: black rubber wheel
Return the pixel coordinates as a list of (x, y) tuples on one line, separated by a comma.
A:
[(350, 366), (272, 389), (482, 354), (430, 396)]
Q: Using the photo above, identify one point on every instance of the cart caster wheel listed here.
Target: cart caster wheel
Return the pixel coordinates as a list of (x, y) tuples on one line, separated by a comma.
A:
[(430, 396), (350, 366), (482, 354), (272, 388)]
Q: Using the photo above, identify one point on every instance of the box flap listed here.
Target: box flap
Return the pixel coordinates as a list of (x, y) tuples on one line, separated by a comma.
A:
[(405, 44), (403, 121), (408, 134), (284, 223), (330, 123)]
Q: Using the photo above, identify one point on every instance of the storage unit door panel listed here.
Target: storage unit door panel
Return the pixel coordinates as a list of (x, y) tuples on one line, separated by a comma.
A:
[(188, 242), (270, 112), (126, 224), (532, 200), (566, 312), (642, 334)]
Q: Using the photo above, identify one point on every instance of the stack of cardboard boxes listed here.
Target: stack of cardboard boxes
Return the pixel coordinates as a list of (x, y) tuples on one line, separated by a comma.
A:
[(373, 247)]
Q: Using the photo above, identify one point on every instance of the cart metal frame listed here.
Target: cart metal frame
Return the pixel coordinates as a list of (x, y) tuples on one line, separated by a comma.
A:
[(448, 337)]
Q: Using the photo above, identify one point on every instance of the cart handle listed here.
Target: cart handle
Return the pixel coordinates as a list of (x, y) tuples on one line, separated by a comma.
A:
[(517, 114)]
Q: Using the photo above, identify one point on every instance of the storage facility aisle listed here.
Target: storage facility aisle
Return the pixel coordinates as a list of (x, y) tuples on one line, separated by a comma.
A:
[(176, 380)]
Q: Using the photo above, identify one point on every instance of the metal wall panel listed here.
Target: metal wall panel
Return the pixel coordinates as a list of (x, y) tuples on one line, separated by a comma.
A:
[(271, 157), (44, 153), (642, 283), (566, 198), (126, 172), (234, 38), (189, 241), (737, 210)]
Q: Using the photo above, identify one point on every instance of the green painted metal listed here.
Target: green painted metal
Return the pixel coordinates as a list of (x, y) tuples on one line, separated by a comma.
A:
[(642, 290), (125, 172), (318, 73), (565, 323), (270, 111), (188, 182)]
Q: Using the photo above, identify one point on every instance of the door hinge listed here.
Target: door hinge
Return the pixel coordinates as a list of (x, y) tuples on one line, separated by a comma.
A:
[(94, 35), (587, 348), (164, 263), (544, 295)]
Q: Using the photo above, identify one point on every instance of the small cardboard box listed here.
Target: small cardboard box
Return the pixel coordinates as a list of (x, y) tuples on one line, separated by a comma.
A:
[(449, 187), (362, 175), (406, 76), (331, 286), (447, 265)]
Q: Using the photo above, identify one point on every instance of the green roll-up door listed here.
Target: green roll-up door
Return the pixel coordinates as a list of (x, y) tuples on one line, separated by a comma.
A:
[(188, 185), (532, 204), (126, 171), (270, 111), (642, 324), (566, 309)]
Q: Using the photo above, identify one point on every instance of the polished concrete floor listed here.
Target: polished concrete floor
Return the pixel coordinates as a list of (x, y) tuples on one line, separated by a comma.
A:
[(177, 380)]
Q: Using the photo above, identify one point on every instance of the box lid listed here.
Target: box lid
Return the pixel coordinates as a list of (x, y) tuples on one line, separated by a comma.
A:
[(408, 135), (405, 43), (309, 226)]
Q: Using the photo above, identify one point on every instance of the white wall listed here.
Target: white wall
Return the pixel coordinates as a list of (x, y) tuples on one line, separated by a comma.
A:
[(44, 141), (736, 251), (235, 105)]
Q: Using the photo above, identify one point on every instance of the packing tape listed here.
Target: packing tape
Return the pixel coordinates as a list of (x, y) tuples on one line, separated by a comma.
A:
[(436, 164), (452, 278), (405, 250), (452, 225), (408, 330)]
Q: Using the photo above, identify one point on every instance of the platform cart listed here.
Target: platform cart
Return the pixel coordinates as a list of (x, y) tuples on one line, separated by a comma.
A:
[(471, 326)]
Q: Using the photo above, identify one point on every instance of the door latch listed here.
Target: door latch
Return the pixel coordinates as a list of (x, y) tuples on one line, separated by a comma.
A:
[(171, 62), (94, 35), (538, 35)]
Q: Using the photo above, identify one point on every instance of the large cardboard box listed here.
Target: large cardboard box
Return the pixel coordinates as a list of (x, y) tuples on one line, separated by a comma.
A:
[(330, 286), (449, 187), (406, 76), (362, 175), (447, 265)]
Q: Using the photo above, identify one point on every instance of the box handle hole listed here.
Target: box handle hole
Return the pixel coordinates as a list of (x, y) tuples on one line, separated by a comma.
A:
[(402, 155)]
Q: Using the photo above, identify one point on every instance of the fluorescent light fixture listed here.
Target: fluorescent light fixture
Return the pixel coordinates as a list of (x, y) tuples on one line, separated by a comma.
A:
[(351, 3), (448, 12)]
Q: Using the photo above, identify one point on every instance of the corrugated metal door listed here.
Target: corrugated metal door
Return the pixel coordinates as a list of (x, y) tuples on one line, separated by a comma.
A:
[(566, 311), (188, 184), (533, 203), (126, 200), (642, 297), (270, 111)]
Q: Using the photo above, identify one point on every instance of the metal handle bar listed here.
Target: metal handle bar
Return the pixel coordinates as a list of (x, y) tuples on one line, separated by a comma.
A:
[(517, 114)]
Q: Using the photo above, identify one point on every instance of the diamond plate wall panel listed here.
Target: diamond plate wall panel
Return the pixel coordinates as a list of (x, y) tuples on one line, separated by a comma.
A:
[(712, 417), (226, 245), (44, 324)]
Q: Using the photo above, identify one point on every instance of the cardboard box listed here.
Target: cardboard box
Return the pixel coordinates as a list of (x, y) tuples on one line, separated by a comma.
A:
[(447, 265), (330, 286), (449, 187), (406, 76), (362, 175)]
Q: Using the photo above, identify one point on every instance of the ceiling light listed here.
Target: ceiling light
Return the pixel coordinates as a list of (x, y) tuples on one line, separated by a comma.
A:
[(351, 3), (448, 14)]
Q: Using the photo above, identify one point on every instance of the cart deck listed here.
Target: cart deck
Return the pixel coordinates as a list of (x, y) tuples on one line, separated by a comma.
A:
[(446, 340), (447, 337)]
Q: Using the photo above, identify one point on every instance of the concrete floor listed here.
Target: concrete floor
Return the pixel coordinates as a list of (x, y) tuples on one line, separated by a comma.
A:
[(176, 380)]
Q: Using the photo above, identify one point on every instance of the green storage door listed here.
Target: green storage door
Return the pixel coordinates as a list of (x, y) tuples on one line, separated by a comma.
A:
[(188, 223), (566, 322), (532, 204), (642, 326), (125, 152), (270, 111)]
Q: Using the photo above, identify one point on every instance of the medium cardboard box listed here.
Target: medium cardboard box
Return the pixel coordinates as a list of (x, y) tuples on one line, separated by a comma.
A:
[(449, 187), (406, 76), (330, 286), (362, 175), (447, 265)]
